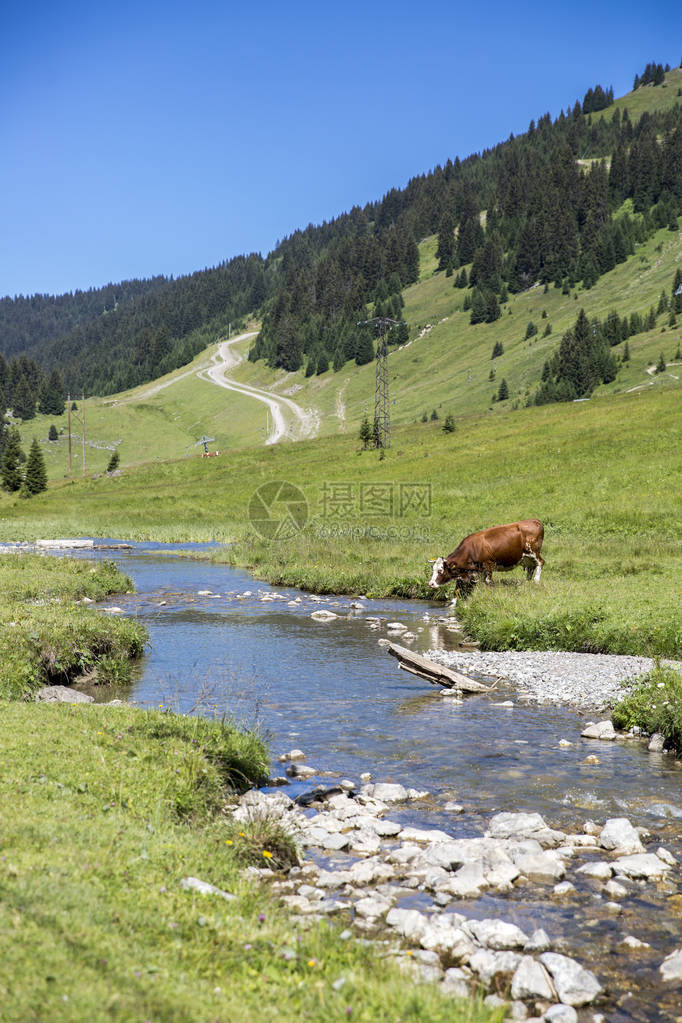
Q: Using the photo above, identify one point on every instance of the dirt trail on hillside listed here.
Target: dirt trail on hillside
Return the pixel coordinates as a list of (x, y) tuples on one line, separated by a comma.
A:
[(288, 418)]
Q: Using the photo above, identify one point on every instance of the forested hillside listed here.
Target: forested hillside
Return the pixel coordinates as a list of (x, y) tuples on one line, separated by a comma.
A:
[(564, 203)]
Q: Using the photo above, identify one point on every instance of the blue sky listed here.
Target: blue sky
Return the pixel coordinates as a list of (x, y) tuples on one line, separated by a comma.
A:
[(144, 138)]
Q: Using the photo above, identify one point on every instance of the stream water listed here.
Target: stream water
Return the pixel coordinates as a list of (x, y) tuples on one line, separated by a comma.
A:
[(329, 689)]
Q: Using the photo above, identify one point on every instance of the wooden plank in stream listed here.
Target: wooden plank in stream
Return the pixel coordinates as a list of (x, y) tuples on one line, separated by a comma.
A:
[(437, 674)]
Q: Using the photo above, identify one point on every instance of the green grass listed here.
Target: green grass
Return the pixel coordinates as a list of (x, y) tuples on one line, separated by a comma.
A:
[(46, 638), (104, 811), (654, 705), (604, 476)]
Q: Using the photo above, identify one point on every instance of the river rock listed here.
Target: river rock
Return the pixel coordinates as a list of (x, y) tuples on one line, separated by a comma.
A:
[(333, 878), (456, 983), (574, 984), (497, 934), (323, 616), (646, 865), (468, 882), (538, 941), (441, 935), (489, 964), (542, 867), (560, 1014), (600, 870), (615, 890), (671, 967), (386, 792), (372, 906), (666, 856), (633, 943), (524, 825), (372, 871), (598, 730), (61, 694), (408, 922), (300, 771), (618, 834), (193, 884), (656, 743), (365, 843), (531, 980), (563, 888)]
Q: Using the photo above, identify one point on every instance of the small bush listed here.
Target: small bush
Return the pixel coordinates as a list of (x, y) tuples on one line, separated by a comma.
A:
[(449, 424), (654, 705)]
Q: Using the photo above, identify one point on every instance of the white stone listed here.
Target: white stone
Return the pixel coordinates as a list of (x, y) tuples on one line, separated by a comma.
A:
[(422, 835), (323, 616), (563, 888), (442, 935), (646, 865), (408, 922), (561, 1014), (619, 834), (193, 884), (497, 934), (671, 967), (631, 942), (538, 941), (666, 856), (574, 984), (531, 980), (656, 743), (387, 793), (61, 694), (598, 869), (372, 906), (371, 871), (455, 982), (488, 964), (599, 730), (615, 890), (542, 867), (468, 882), (335, 842)]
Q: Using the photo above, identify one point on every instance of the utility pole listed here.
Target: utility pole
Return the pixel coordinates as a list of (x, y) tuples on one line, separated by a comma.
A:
[(83, 428), (68, 403), (382, 413)]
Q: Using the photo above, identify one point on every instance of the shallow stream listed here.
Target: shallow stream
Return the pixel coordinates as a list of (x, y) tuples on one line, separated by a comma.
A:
[(329, 689)]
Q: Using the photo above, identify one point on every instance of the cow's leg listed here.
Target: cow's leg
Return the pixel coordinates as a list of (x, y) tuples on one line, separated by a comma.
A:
[(538, 570), (488, 567)]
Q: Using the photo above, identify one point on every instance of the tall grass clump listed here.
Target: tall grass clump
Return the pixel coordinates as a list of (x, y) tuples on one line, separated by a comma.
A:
[(654, 704)]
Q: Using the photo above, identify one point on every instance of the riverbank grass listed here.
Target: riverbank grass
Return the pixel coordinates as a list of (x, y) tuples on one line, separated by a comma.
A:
[(654, 704), (47, 637), (104, 811)]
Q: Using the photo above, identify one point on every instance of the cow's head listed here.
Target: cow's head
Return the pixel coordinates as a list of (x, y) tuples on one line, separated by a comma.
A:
[(445, 572), (440, 574)]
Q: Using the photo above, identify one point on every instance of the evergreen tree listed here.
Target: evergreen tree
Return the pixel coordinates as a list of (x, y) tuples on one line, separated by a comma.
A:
[(113, 462), (449, 423), (51, 398), (498, 350), (322, 362), (479, 307), (10, 472), (446, 241), (364, 348), (36, 473), (24, 401), (503, 392), (531, 330), (661, 364), (434, 416), (626, 352), (52, 433), (425, 417), (365, 433)]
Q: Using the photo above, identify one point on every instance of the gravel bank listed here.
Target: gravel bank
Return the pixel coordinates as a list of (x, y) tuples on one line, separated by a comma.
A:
[(554, 676)]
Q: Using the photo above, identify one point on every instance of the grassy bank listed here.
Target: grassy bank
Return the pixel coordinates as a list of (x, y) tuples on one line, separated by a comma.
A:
[(46, 638), (104, 811), (604, 476)]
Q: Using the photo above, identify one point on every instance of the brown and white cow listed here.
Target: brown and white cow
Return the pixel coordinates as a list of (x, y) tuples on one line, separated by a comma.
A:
[(500, 547)]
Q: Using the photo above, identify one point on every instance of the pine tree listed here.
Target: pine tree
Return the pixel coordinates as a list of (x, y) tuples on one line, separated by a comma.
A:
[(52, 433), (322, 362), (626, 352), (434, 416), (503, 392), (365, 433), (498, 350), (24, 402), (449, 423), (36, 473), (114, 462), (661, 364), (10, 473), (364, 348)]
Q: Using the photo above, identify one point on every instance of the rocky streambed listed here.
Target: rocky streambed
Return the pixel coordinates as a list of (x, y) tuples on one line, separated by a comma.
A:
[(485, 913)]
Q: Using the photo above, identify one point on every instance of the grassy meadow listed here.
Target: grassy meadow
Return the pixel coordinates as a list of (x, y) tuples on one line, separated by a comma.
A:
[(604, 475)]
